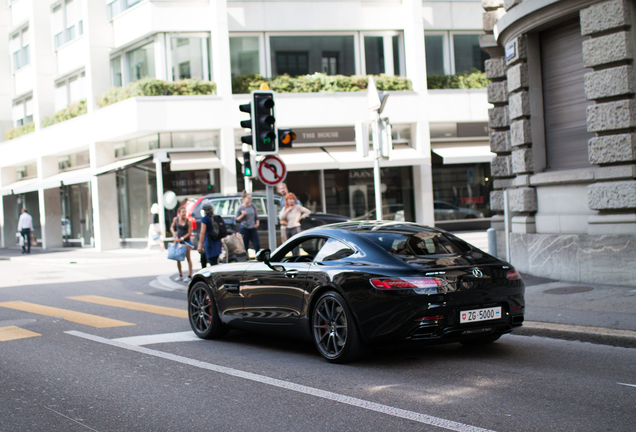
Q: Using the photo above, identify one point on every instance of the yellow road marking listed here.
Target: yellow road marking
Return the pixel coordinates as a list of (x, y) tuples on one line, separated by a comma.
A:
[(76, 317), (143, 307), (13, 332)]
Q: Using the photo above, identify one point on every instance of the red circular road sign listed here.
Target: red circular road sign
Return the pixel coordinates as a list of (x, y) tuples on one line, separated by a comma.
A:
[(271, 170)]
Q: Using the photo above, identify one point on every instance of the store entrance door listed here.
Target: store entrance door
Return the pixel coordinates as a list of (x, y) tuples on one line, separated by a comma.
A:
[(77, 215)]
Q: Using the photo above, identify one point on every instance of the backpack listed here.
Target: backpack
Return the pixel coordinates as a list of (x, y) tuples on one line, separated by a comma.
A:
[(218, 229)]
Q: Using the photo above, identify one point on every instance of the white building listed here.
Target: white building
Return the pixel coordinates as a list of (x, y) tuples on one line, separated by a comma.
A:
[(91, 180)]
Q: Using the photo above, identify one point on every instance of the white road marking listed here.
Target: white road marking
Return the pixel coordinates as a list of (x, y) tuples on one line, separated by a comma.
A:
[(334, 397), (186, 336), (628, 385)]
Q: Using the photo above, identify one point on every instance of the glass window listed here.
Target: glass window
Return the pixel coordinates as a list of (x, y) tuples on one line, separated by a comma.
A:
[(302, 55), (141, 62), (416, 243), (396, 56), (19, 46), (22, 111), (190, 58), (434, 46), (468, 54), (66, 22), (70, 90), (304, 251), (461, 191), (61, 97), (333, 250), (245, 55), (115, 72), (374, 54), (115, 7)]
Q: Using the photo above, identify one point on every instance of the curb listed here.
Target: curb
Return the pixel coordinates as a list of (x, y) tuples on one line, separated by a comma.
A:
[(596, 335)]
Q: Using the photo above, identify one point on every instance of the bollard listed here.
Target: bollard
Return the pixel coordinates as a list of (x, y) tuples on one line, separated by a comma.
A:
[(492, 241)]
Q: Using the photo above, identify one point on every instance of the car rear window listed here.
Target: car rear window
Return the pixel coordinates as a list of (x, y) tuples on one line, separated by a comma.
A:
[(417, 243)]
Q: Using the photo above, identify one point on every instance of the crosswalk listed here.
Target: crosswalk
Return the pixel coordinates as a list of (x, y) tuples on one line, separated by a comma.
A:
[(14, 332)]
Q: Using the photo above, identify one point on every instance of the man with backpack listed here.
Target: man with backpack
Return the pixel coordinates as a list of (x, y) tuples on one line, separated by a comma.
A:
[(213, 229)]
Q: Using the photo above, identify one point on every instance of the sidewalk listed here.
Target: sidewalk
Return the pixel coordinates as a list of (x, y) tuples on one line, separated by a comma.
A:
[(594, 313)]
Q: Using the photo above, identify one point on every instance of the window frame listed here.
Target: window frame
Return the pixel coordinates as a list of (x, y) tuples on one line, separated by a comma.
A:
[(262, 57), (123, 7), (387, 40), (446, 50), (22, 100), (451, 40), (79, 75), (79, 23), (159, 55), (179, 35), (23, 49)]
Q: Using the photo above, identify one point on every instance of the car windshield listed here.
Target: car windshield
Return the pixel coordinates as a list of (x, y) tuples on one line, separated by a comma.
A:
[(417, 243)]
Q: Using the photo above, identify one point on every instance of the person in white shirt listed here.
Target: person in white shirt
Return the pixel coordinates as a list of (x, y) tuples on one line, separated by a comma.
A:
[(25, 226)]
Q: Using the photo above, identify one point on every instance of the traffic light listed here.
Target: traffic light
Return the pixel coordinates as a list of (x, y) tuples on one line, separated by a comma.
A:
[(286, 138), (249, 165), (246, 124), (263, 122)]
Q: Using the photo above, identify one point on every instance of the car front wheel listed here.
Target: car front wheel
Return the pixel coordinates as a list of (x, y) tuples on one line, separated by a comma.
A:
[(334, 330), (202, 312)]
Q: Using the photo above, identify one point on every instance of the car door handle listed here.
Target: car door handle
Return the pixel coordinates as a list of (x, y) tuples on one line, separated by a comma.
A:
[(291, 273)]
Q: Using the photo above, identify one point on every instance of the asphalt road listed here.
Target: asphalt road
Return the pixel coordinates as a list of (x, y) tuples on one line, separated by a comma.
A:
[(83, 373)]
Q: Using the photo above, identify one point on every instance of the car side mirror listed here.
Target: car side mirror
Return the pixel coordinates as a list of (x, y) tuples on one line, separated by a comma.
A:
[(263, 256)]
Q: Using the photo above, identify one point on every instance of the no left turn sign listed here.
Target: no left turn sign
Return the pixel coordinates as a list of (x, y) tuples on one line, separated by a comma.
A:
[(271, 170)]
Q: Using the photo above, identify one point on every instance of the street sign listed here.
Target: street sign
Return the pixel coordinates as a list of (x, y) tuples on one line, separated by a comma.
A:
[(271, 170)]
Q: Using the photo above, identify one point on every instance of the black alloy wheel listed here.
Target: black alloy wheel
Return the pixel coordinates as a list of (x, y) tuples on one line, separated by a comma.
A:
[(335, 333), (202, 312)]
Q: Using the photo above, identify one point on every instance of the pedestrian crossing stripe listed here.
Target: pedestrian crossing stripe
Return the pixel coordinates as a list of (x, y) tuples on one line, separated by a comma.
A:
[(12, 333), (124, 304), (68, 315)]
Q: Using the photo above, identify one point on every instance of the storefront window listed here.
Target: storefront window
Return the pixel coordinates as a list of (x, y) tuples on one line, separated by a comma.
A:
[(141, 62), (73, 161), (461, 191), (137, 191), (77, 217), (245, 55), (302, 55), (190, 58), (352, 193)]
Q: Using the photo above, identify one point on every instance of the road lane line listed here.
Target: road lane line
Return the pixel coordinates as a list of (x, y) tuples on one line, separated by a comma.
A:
[(124, 304), (12, 333), (68, 315), (334, 397), (73, 420), (187, 336), (628, 385)]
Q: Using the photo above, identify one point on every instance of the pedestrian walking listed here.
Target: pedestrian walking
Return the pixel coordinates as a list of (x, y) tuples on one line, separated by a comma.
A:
[(154, 229), (281, 188), (25, 227), (247, 215), (181, 228), (212, 248), (292, 214)]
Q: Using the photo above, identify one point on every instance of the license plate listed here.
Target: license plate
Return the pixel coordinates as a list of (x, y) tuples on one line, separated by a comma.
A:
[(475, 315)]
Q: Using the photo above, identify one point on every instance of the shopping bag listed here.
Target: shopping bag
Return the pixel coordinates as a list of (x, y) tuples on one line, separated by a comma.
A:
[(20, 239), (154, 235), (177, 252)]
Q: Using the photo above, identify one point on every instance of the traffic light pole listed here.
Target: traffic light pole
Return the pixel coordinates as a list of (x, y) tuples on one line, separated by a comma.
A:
[(271, 218)]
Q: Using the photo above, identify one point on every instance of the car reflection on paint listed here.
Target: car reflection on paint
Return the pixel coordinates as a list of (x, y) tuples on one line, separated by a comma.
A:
[(350, 285)]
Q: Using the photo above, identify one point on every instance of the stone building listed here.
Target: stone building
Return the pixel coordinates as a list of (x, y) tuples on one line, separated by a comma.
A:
[(562, 126)]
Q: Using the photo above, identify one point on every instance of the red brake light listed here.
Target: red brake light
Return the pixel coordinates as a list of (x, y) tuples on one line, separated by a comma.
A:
[(408, 283), (513, 275), (430, 318)]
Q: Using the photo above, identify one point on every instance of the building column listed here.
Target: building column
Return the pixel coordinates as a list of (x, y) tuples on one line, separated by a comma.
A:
[(50, 205), (228, 159), (7, 229), (610, 54), (159, 159), (104, 197)]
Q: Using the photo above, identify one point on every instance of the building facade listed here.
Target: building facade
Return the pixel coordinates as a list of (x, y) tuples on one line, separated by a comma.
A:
[(91, 179), (562, 83)]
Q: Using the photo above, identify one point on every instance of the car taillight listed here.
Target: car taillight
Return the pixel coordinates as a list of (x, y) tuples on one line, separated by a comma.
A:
[(408, 283), (513, 275), (430, 318)]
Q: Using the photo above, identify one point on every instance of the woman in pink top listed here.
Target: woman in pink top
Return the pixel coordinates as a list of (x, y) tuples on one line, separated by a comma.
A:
[(292, 213)]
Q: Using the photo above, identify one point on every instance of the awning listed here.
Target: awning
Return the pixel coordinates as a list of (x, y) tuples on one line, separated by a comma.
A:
[(83, 175), (188, 161), (465, 154), (19, 187), (122, 164), (401, 155), (303, 159)]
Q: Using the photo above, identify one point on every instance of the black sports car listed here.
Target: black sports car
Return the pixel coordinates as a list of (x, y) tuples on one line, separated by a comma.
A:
[(356, 283)]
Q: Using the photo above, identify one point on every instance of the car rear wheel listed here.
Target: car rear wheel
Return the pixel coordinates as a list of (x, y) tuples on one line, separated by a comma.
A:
[(484, 340), (202, 312), (334, 330)]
